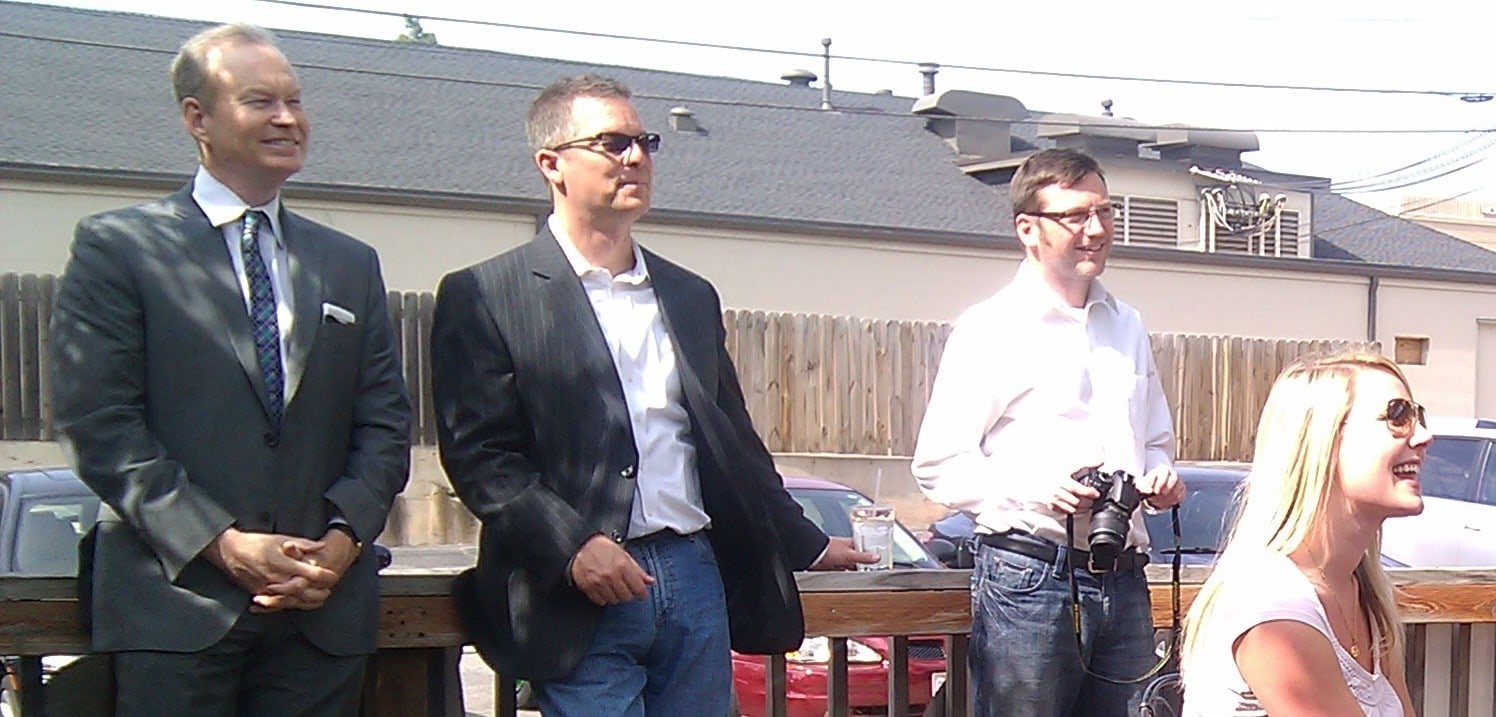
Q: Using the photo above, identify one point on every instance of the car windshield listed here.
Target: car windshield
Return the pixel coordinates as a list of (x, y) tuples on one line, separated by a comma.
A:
[(830, 510), (1203, 518), (48, 531)]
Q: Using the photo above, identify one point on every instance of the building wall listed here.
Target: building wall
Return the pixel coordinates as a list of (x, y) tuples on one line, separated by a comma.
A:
[(913, 279), (1450, 316)]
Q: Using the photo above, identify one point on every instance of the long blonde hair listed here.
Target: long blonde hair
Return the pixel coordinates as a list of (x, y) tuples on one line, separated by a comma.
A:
[(1286, 498)]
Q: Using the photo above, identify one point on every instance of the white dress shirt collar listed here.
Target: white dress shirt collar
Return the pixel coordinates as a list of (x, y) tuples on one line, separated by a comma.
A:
[(222, 205), (1042, 297), (638, 275)]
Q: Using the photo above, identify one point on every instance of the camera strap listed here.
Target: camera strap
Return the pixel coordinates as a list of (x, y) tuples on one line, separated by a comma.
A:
[(1075, 612)]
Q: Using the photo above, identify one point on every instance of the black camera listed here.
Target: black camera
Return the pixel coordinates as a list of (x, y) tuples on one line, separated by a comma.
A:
[(1111, 515)]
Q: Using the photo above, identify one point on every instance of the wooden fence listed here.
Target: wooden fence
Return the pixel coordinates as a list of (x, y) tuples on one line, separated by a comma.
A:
[(814, 383)]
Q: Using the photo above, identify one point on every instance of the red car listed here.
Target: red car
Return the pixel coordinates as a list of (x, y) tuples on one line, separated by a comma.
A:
[(828, 504)]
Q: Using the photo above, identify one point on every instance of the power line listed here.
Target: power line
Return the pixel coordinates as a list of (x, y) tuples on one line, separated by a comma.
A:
[(871, 112), (1474, 94)]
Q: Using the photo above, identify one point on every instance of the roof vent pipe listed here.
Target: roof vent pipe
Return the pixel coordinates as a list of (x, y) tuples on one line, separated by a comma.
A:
[(929, 70), (682, 119), (826, 86)]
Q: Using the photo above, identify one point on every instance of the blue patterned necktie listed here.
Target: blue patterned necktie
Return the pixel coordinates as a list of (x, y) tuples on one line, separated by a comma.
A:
[(262, 315)]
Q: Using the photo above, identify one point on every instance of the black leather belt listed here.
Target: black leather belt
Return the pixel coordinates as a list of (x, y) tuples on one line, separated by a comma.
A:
[(1032, 547)]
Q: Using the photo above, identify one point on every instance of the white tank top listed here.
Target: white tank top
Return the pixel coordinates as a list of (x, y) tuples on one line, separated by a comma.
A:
[(1269, 588)]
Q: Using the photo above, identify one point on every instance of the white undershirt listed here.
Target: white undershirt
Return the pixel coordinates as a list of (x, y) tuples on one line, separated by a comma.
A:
[(667, 493)]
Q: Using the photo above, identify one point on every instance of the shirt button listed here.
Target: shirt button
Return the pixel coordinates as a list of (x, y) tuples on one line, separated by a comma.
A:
[(627, 472)]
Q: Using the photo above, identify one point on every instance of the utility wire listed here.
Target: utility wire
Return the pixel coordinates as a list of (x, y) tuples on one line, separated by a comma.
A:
[(1468, 153), (815, 108), (890, 61)]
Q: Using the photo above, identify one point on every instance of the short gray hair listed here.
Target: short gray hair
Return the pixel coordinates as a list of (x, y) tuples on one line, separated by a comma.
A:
[(549, 122), (189, 70)]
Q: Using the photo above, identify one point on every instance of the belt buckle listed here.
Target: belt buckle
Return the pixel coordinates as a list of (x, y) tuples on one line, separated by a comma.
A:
[(1093, 569)]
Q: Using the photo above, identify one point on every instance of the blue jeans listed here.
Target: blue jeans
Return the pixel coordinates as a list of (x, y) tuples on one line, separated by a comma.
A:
[(1023, 656), (666, 655)]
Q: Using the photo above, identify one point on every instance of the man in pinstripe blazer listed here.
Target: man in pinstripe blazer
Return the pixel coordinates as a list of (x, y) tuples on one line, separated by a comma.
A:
[(634, 526)]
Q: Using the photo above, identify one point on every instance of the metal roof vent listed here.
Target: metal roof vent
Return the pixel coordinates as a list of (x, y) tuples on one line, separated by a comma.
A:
[(682, 119), (929, 70), (799, 78)]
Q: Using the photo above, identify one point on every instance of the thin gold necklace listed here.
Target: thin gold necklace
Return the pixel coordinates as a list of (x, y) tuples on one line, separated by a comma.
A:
[(1350, 627)]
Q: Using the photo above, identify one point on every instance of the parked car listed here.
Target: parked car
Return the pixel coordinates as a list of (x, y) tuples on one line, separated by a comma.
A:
[(828, 505), (43, 513), (1458, 478)]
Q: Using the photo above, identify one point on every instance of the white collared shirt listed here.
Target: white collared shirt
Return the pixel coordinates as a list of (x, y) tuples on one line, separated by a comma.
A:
[(667, 488), (225, 210), (1031, 390)]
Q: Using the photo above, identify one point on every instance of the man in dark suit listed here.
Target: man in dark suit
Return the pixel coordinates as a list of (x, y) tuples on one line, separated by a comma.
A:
[(633, 524), (225, 378)]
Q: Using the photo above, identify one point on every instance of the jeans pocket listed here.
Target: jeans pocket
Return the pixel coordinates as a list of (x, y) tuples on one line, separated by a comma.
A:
[(704, 546), (1015, 576)]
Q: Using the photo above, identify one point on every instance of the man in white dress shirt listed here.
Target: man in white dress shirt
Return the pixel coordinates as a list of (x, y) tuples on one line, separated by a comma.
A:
[(1048, 378), (590, 417)]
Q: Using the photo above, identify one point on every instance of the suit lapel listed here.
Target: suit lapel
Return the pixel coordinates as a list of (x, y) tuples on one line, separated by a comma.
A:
[(565, 306), (695, 348), (205, 247), (304, 257)]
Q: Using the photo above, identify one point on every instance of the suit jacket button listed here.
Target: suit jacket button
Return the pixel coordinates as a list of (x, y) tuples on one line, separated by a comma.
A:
[(627, 472), (271, 439), (616, 536)]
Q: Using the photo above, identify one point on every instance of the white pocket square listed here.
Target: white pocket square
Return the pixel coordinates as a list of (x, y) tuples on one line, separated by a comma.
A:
[(338, 314)]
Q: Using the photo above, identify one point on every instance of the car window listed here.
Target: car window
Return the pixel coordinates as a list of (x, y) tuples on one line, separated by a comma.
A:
[(1203, 517), (1488, 481), (831, 511), (1449, 467), (47, 533)]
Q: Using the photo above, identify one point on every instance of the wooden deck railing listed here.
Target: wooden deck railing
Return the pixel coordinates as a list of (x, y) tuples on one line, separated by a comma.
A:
[(1451, 646)]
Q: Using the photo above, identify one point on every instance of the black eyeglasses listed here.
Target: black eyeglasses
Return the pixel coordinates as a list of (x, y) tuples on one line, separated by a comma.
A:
[(614, 143), (1078, 219), (1400, 415)]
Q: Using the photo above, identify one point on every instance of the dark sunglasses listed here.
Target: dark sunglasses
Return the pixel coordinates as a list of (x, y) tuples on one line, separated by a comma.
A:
[(614, 143), (1400, 415)]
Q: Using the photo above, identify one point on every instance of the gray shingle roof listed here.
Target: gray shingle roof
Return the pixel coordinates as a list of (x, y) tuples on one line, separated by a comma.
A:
[(451, 122), (1348, 230), (87, 90)]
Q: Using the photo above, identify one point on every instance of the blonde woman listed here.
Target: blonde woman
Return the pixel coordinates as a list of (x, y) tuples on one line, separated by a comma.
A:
[(1298, 617)]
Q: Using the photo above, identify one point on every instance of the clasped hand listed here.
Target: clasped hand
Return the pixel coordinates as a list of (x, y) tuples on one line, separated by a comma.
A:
[(282, 571)]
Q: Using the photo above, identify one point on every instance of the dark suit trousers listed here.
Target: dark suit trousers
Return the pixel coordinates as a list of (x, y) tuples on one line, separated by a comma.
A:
[(262, 668)]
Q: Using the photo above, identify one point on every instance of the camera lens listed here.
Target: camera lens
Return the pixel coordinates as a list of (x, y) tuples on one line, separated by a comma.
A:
[(1111, 517)]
